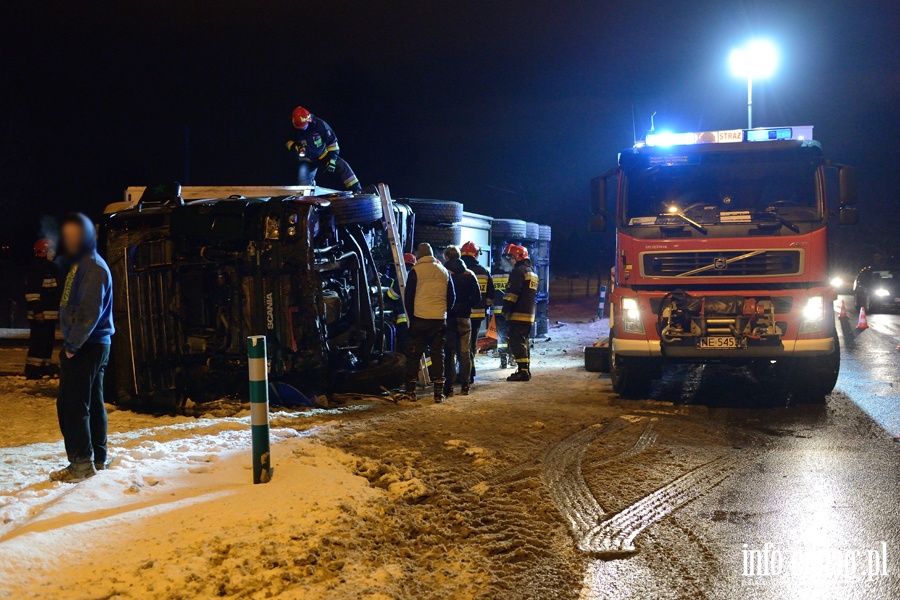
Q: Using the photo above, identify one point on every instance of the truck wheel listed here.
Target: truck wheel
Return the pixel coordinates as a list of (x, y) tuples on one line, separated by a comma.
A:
[(438, 236), (433, 212), (532, 232), (508, 229), (358, 209), (631, 376), (815, 377), (389, 373), (544, 233)]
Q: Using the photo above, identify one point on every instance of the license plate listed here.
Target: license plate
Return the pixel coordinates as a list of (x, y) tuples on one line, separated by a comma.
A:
[(719, 343)]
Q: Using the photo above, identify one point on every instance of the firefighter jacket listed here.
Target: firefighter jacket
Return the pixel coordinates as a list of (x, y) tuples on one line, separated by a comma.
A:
[(392, 301), (485, 284), (429, 290), (316, 143), (521, 293), (468, 291), (43, 289)]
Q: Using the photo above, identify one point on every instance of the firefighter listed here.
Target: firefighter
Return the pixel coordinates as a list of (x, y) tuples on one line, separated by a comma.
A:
[(500, 279), (42, 293), (470, 253), (518, 308), (394, 303), (316, 146)]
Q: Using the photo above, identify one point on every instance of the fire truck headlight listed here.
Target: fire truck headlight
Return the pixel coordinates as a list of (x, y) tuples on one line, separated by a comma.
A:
[(631, 316), (837, 282), (881, 293), (813, 314)]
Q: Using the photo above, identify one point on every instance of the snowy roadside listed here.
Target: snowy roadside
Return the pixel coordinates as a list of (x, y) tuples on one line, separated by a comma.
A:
[(177, 517)]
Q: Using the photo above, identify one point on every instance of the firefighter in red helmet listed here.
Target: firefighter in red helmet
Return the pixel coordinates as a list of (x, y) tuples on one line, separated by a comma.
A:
[(518, 308), (42, 296), (470, 252), (316, 146)]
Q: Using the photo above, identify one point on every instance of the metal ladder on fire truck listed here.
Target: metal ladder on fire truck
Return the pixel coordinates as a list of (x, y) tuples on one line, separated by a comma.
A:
[(390, 227)]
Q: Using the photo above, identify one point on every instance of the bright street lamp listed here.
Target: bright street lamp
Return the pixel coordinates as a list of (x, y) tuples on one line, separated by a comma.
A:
[(756, 60)]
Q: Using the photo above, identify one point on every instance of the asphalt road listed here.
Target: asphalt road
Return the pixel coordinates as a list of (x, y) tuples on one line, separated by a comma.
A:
[(717, 486)]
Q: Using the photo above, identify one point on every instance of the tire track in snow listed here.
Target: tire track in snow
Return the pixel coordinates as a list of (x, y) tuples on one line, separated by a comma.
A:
[(615, 535), (565, 480), (605, 535)]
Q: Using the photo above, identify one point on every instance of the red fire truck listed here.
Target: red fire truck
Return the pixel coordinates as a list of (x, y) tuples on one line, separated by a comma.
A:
[(721, 255)]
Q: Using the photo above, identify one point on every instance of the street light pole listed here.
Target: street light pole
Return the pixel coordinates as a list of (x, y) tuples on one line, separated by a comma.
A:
[(749, 102), (758, 60)]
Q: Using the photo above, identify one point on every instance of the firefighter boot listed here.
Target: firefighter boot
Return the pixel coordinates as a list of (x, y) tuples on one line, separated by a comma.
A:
[(448, 390), (410, 392), (520, 375), (504, 360)]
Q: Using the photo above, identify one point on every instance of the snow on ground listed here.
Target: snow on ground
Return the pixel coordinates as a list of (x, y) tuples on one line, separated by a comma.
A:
[(177, 516)]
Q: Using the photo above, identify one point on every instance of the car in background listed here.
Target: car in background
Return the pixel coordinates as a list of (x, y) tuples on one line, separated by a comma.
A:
[(877, 288)]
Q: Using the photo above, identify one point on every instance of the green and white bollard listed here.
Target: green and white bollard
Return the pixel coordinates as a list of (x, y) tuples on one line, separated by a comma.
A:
[(259, 407)]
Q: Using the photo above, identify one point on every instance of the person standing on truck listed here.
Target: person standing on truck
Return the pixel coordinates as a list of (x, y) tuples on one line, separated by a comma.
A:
[(470, 253), (42, 291), (86, 323), (459, 322), (429, 297), (519, 307), (316, 146)]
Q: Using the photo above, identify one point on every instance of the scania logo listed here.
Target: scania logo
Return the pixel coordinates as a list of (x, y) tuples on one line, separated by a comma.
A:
[(270, 311), (720, 264)]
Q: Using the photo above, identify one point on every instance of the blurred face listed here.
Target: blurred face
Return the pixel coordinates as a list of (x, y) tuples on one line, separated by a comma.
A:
[(51, 254), (72, 238)]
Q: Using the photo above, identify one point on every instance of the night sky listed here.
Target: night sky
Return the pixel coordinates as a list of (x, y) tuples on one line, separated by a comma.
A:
[(509, 107)]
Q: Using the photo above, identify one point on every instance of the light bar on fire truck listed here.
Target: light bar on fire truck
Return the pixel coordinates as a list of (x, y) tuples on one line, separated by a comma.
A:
[(764, 134)]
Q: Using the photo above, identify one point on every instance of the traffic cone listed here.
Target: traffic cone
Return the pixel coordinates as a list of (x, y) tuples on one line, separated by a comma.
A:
[(863, 323), (843, 314)]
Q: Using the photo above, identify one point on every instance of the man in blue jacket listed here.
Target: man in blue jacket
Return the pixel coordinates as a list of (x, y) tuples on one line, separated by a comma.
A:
[(85, 319)]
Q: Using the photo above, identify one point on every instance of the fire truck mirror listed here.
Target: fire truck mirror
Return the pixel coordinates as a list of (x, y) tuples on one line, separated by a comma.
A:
[(598, 196), (848, 215), (597, 223), (847, 185)]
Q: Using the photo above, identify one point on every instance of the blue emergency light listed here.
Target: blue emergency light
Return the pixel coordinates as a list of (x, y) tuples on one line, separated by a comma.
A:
[(665, 139)]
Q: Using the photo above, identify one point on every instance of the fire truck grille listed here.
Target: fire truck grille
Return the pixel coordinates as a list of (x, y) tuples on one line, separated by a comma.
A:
[(726, 263)]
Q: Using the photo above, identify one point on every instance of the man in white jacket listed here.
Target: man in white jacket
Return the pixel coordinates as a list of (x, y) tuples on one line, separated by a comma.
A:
[(429, 297)]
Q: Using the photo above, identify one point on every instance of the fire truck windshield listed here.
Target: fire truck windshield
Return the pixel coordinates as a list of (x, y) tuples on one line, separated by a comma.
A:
[(721, 188)]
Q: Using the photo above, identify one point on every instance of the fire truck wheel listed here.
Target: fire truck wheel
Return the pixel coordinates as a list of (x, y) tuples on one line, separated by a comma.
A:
[(816, 377), (435, 212), (438, 236), (388, 374), (359, 209), (631, 376)]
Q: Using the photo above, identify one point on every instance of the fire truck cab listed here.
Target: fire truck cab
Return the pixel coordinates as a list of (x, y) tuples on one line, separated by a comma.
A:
[(721, 254)]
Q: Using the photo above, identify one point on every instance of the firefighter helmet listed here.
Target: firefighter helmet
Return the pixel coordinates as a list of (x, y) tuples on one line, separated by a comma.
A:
[(470, 249), (42, 246), (301, 118), (409, 258), (516, 251)]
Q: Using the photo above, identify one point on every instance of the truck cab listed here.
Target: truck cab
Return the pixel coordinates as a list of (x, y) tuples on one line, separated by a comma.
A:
[(721, 254)]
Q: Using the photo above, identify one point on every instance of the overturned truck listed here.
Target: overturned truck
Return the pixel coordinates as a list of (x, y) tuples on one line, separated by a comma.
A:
[(193, 280)]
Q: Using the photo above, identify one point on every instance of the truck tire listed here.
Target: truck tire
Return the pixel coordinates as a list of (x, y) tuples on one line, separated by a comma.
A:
[(631, 376), (532, 232), (434, 212), (389, 373), (358, 209), (508, 229), (438, 236), (815, 377), (544, 233)]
